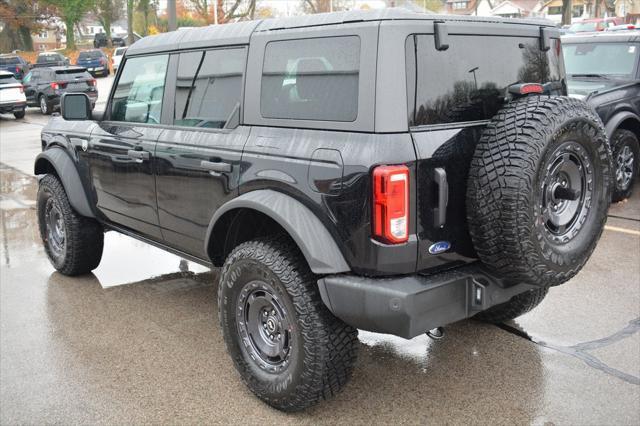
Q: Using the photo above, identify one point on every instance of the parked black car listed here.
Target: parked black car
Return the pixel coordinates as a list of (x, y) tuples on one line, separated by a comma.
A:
[(604, 70), (51, 59), (100, 40), (387, 171), (95, 61), (43, 87), (15, 65)]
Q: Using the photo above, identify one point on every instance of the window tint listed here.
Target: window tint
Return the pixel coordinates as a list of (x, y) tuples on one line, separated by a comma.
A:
[(9, 60), (311, 79), (91, 54), (69, 74), (138, 95), (208, 87), (7, 79), (468, 81)]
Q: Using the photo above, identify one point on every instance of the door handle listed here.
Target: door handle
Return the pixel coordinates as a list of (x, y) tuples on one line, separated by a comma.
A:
[(440, 212), (138, 155), (216, 166)]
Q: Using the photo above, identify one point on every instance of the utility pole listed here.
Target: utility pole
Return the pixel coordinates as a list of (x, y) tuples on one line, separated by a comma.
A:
[(215, 12), (171, 11)]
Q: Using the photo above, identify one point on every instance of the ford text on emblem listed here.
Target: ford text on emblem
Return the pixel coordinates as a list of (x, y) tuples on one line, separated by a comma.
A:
[(439, 247)]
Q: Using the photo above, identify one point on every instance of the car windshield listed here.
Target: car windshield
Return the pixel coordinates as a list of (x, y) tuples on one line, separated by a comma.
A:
[(7, 79), (48, 58), (9, 60), (90, 55), (605, 60)]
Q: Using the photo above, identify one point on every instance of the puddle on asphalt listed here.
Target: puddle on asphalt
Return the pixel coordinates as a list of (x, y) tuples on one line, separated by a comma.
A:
[(124, 261)]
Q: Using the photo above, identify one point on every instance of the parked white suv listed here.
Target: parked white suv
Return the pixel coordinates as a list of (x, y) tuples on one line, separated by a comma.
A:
[(12, 99), (117, 58)]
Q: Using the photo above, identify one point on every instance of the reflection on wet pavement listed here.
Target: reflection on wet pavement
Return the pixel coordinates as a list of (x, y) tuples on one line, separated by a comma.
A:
[(138, 342)]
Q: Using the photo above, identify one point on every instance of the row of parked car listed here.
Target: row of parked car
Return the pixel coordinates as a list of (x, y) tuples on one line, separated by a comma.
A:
[(43, 83)]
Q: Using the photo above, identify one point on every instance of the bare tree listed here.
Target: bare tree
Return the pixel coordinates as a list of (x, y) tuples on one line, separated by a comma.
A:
[(567, 12)]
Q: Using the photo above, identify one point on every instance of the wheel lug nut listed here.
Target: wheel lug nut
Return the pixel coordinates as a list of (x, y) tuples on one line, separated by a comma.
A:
[(273, 312), (279, 336), (264, 325)]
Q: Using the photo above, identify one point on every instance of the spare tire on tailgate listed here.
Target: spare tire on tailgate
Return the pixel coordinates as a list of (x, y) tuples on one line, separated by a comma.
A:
[(539, 190)]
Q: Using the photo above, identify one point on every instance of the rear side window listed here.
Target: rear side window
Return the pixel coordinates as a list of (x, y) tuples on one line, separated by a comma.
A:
[(469, 80), (311, 79), (138, 95), (208, 87)]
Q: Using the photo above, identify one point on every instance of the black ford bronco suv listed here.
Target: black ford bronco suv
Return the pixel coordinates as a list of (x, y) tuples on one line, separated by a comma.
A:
[(385, 171)]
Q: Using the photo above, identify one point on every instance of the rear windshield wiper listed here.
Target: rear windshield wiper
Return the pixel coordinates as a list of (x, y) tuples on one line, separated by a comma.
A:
[(602, 76)]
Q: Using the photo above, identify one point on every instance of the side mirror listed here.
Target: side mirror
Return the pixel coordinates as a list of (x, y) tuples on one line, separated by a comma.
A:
[(75, 106)]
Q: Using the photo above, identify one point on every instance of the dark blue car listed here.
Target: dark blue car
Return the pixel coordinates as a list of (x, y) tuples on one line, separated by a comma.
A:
[(14, 64), (95, 61)]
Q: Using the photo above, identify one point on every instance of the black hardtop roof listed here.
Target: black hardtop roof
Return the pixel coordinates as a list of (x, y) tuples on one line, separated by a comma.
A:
[(603, 37), (240, 32)]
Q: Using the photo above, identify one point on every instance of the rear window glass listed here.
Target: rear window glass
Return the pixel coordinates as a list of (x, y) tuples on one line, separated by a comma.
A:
[(208, 87), (48, 58), (609, 59), (9, 60), (469, 80), (72, 74), (119, 52), (7, 79), (311, 79), (90, 55)]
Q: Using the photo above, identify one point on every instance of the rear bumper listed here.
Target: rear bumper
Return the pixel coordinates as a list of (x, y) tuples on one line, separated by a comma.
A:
[(411, 305), (6, 107)]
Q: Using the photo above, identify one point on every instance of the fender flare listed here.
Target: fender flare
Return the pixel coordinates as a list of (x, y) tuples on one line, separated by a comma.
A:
[(66, 170), (618, 118), (312, 237)]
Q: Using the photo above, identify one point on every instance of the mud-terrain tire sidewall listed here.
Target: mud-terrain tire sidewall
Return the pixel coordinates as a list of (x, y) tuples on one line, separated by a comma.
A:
[(323, 351), (504, 195), (84, 237), (619, 140)]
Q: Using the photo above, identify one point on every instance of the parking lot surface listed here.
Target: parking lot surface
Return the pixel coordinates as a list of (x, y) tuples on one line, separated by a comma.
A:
[(138, 341)]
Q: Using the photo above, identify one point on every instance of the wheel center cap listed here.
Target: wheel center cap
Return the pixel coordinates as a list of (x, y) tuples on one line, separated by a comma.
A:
[(271, 324)]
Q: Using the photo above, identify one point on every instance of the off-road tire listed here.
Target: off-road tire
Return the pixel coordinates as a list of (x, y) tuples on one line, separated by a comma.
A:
[(620, 139), (516, 306), (19, 114), (507, 187), (324, 349), (83, 237)]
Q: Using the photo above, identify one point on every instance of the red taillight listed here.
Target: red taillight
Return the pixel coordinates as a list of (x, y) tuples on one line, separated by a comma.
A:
[(58, 85), (391, 204), (55, 86), (18, 69), (528, 88), (92, 82)]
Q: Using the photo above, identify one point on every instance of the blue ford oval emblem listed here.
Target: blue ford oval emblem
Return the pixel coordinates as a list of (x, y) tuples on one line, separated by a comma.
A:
[(439, 247)]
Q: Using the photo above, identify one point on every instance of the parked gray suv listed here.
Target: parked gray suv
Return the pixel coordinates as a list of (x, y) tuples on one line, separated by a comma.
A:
[(386, 171)]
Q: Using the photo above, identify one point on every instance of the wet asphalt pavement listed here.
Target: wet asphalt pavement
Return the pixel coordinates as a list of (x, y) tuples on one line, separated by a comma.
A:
[(138, 341)]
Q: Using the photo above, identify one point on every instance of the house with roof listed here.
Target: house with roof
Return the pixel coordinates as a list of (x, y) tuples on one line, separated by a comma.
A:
[(518, 9)]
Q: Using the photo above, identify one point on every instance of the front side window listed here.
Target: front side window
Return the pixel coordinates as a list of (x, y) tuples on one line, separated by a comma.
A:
[(138, 95), (311, 79), (208, 87)]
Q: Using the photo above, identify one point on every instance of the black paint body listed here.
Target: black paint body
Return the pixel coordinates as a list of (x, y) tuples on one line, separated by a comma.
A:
[(170, 197)]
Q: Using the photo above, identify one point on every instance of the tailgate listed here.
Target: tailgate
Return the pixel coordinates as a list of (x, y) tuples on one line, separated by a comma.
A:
[(11, 93)]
